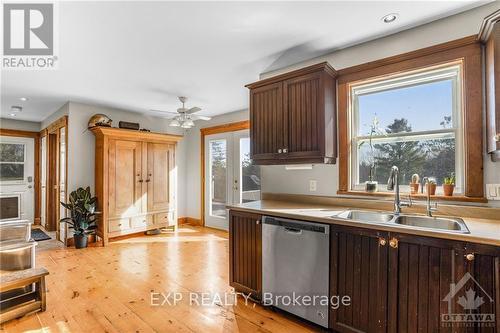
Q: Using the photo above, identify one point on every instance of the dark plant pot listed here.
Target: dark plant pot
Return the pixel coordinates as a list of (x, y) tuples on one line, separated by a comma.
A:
[(448, 190), (431, 189), (371, 186), (81, 241), (414, 188)]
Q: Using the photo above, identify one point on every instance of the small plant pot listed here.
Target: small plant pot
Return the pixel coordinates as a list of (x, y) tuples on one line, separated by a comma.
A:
[(431, 189), (448, 190), (414, 188), (81, 241), (371, 186)]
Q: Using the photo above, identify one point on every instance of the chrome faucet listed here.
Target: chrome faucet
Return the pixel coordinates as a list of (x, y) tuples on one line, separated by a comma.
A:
[(429, 207), (393, 184)]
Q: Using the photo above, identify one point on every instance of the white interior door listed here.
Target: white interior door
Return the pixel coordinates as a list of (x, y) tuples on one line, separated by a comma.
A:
[(17, 164), (230, 177)]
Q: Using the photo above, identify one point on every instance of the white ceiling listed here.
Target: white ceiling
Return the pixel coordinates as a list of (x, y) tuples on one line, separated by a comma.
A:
[(140, 56)]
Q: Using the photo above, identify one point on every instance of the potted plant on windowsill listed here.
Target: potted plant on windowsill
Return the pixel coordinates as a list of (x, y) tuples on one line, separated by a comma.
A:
[(371, 185), (449, 185), (82, 220), (415, 183), (431, 186)]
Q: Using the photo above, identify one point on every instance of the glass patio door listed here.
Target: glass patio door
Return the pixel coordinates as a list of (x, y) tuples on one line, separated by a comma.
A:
[(230, 176)]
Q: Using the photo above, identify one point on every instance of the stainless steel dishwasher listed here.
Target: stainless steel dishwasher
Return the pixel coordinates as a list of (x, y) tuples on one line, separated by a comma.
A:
[(295, 259)]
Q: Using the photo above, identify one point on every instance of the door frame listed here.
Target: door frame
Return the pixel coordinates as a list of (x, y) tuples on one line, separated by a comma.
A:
[(231, 127), (54, 129), (37, 165)]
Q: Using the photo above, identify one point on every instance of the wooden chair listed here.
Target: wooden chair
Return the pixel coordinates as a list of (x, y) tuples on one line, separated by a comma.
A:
[(19, 279)]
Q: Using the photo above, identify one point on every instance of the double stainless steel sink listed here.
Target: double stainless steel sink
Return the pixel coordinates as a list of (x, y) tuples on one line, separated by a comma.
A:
[(449, 224)]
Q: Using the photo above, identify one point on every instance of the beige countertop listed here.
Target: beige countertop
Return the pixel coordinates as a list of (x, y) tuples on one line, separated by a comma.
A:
[(483, 231)]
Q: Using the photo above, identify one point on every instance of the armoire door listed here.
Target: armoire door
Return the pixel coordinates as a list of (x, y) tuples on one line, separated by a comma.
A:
[(267, 122), (159, 176), (125, 178)]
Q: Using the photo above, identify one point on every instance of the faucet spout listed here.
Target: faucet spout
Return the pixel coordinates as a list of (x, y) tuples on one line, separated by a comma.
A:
[(393, 184)]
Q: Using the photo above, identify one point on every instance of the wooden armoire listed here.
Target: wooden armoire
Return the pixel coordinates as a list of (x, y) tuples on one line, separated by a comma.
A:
[(135, 181)]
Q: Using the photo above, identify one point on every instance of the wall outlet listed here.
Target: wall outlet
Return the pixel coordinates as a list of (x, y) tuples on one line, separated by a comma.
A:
[(493, 191), (313, 185)]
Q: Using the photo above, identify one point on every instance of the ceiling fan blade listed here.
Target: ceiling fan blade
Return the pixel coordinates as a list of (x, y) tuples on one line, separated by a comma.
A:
[(165, 113), (200, 117), (193, 110)]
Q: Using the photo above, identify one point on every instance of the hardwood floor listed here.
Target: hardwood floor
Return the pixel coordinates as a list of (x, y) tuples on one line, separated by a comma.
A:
[(109, 289)]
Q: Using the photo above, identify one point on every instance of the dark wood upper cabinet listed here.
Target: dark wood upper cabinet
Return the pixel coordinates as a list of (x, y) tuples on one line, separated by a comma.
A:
[(490, 36), (293, 118), (245, 253)]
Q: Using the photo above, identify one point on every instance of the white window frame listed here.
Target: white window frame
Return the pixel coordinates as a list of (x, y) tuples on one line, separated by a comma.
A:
[(412, 78), (14, 182)]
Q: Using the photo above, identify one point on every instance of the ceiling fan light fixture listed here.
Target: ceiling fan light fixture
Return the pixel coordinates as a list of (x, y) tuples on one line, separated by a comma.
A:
[(175, 123), (189, 123)]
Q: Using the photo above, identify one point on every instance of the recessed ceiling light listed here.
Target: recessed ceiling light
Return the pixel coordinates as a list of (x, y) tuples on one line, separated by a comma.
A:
[(16, 108), (23, 99), (12, 114), (389, 18)]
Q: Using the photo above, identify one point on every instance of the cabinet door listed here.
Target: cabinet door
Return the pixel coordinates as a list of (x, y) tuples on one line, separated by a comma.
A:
[(245, 253), (125, 178), (268, 126), (483, 264), (159, 177), (421, 271), (303, 103), (359, 259), (492, 57)]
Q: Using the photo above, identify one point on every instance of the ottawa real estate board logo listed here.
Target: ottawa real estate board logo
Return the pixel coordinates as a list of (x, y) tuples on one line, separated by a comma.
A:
[(29, 41)]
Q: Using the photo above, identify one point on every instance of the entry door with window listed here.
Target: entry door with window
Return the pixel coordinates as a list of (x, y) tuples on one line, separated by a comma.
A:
[(17, 162), (230, 176)]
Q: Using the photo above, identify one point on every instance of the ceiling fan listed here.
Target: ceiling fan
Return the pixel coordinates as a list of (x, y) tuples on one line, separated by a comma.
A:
[(184, 117)]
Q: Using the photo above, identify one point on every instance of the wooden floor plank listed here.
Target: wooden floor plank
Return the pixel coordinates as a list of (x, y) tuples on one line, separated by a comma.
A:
[(109, 289)]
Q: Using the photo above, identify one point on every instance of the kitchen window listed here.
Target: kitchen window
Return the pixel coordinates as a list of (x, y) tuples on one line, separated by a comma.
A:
[(412, 120), (12, 159)]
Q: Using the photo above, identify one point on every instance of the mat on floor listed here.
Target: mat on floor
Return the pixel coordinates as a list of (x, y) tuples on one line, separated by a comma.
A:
[(39, 235)]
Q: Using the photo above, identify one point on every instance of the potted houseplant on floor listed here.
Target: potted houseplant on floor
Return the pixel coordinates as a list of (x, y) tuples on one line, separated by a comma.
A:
[(82, 218), (449, 185)]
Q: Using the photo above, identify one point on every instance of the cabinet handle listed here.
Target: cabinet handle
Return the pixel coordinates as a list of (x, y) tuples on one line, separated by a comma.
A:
[(280, 151), (257, 222), (469, 256), (148, 180), (382, 242), (140, 180), (285, 150), (393, 243)]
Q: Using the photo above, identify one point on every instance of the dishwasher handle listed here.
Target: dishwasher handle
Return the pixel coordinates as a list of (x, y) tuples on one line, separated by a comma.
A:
[(294, 231), (293, 225)]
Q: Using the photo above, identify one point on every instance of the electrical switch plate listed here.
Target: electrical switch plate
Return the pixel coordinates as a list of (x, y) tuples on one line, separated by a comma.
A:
[(493, 191), (313, 185)]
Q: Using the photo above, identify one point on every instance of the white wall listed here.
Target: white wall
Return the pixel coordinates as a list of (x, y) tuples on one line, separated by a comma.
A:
[(81, 145), (19, 125), (62, 111), (193, 144), (276, 179)]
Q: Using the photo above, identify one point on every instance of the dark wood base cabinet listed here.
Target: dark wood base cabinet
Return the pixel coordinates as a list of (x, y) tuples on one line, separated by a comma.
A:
[(407, 283), (245, 253), (396, 282)]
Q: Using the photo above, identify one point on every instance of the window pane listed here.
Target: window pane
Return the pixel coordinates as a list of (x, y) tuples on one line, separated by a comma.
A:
[(11, 172), (426, 157), (426, 106), (218, 162), (250, 174), (11, 152)]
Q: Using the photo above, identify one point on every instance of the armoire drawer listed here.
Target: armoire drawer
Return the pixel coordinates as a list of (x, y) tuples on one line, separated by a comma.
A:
[(141, 221), (161, 218), (119, 225)]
